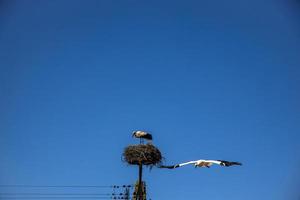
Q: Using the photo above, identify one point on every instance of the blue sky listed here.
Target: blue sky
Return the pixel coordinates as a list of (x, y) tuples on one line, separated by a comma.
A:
[(211, 80)]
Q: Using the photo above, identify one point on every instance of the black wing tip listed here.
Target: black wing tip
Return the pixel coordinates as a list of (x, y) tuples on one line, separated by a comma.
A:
[(228, 163), (238, 163), (168, 166)]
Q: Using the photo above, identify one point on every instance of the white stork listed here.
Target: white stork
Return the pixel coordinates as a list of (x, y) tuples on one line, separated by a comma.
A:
[(203, 163), (142, 135)]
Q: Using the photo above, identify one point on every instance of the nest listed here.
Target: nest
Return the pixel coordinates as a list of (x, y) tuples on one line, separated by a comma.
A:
[(145, 154)]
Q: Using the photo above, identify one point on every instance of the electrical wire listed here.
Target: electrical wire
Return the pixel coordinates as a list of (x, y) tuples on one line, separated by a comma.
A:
[(59, 186), (69, 186), (98, 197), (46, 195), (58, 197), (56, 194)]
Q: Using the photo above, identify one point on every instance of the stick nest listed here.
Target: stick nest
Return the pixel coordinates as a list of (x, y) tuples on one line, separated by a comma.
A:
[(145, 154)]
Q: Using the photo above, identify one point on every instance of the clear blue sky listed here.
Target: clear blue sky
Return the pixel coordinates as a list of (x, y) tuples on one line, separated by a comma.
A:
[(209, 79)]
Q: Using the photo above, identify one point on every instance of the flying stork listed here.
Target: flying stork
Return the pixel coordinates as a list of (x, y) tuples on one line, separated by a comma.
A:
[(142, 135), (203, 163)]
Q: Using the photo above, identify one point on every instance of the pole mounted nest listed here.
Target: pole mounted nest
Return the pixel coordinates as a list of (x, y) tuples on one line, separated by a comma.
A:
[(140, 155)]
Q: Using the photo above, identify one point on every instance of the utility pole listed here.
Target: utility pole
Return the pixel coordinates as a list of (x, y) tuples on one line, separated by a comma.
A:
[(140, 186), (140, 193), (141, 189), (136, 195)]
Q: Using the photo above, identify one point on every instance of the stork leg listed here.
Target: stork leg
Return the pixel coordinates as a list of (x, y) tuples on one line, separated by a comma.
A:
[(141, 141)]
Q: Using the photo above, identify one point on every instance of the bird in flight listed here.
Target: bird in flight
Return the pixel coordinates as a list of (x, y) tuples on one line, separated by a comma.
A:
[(203, 163), (142, 135)]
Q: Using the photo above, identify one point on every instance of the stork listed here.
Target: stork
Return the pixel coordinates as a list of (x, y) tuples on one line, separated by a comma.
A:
[(203, 163), (142, 135)]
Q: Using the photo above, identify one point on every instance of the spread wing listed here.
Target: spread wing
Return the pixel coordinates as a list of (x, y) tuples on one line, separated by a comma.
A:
[(202, 163), (177, 165)]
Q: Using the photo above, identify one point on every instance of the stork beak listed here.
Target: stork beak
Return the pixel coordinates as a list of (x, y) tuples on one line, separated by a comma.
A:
[(133, 133)]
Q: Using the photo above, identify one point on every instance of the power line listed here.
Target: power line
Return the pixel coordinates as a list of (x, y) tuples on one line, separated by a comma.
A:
[(59, 197), (63, 197), (80, 194), (58, 194), (31, 194), (67, 186), (62, 186)]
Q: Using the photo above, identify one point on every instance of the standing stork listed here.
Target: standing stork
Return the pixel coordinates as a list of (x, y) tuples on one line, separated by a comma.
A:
[(203, 163), (142, 135)]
